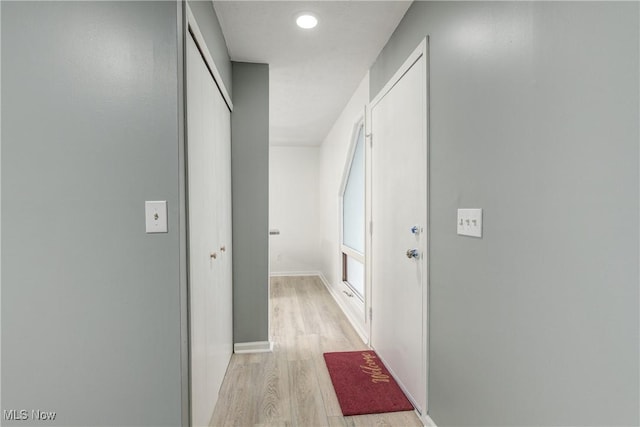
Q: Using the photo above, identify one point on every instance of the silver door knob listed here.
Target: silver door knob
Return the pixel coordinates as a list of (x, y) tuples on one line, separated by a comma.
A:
[(413, 253), (213, 255), (415, 230)]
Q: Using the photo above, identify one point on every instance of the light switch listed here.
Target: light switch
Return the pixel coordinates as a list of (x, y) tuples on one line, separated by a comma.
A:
[(470, 222), (156, 216)]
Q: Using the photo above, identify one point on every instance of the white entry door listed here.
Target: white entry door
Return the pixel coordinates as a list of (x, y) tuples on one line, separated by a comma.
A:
[(209, 222), (398, 125)]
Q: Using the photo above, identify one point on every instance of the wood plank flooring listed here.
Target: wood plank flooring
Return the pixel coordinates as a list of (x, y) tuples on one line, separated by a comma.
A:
[(291, 385)]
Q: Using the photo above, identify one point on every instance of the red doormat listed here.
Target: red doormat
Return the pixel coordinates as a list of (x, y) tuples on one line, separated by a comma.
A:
[(363, 384)]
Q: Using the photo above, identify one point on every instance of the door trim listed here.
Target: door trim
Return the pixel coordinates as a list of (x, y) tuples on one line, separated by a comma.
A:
[(420, 52), (192, 28), (185, 380)]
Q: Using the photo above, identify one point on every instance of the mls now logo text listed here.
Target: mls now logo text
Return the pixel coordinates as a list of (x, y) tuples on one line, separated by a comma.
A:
[(23, 415)]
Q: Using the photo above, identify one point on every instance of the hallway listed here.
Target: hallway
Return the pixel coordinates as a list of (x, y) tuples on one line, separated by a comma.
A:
[(291, 386), (529, 116)]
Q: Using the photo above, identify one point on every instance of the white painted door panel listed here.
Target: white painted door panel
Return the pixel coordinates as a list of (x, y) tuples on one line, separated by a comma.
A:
[(399, 202), (209, 201)]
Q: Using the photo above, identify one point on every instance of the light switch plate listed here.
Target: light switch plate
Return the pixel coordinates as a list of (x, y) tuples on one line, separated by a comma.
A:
[(470, 222), (155, 213)]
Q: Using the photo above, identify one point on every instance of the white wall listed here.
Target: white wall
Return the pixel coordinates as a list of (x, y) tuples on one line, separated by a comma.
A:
[(294, 210), (332, 159)]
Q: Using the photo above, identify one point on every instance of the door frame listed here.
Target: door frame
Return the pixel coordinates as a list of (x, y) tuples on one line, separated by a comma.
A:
[(421, 52), (191, 28)]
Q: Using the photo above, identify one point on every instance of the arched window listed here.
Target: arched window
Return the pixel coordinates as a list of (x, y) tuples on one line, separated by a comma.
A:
[(353, 215)]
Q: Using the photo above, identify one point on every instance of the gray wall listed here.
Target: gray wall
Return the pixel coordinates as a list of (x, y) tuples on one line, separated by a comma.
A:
[(209, 25), (534, 117), (90, 303), (250, 186)]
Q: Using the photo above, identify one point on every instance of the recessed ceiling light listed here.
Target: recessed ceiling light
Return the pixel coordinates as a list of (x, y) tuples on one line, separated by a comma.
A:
[(306, 21)]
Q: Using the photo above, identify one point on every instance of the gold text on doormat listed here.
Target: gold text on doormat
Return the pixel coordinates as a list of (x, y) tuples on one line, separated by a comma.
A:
[(372, 369)]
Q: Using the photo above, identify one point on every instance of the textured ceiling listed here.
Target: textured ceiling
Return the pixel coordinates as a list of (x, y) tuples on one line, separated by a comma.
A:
[(313, 73)]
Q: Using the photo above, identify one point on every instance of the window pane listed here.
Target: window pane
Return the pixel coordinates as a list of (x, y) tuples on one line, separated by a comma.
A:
[(353, 200), (355, 275)]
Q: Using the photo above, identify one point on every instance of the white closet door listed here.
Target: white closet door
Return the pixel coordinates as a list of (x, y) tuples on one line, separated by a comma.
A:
[(399, 203), (209, 204)]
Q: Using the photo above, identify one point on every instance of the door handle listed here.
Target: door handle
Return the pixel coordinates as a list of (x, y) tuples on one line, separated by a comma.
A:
[(413, 253)]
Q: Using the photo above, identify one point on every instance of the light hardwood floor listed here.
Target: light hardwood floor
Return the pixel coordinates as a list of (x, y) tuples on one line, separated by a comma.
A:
[(291, 385)]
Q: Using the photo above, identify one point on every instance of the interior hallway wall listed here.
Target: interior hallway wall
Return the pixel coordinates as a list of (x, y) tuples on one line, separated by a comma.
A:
[(91, 304), (294, 210), (250, 193), (534, 118)]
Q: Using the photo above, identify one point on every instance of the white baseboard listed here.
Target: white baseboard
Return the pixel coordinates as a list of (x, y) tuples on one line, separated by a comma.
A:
[(344, 308), (253, 347), (294, 273), (428, 422)]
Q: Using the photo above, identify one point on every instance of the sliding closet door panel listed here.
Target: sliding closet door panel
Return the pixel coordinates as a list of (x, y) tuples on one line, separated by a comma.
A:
[(208, 140)]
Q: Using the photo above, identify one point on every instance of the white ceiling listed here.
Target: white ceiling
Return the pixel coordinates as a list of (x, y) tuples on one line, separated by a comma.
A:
[(313, 73)]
